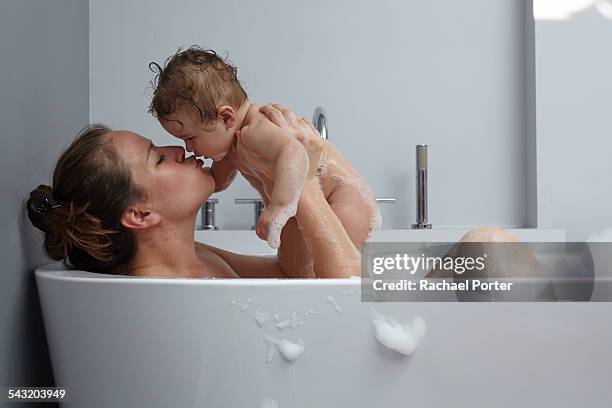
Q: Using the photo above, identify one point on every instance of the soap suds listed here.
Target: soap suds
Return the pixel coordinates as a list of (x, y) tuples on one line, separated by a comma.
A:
[(261, 318), (267, 403), (310, 313), (290, 322), (402, 338), (243, 306), (289, 350), (270, 344), (333, 302)]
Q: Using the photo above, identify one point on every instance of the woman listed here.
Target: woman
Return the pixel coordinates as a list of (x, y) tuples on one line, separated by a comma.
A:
[(121, 205)]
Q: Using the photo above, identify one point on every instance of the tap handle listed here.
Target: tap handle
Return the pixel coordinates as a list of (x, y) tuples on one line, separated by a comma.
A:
[(259, 206), (207, 215), (386, 200), (247, 200)]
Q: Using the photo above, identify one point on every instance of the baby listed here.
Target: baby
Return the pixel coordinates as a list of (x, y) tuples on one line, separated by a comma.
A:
[(198, 99)]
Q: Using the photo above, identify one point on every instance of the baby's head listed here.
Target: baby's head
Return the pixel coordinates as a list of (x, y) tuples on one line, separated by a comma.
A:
[(196, 98)]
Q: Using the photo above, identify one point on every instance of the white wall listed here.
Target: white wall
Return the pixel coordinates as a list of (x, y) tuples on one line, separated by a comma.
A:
[(391, 74), (574, 115)]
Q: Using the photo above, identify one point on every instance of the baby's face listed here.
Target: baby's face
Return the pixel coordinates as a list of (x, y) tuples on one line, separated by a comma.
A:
[(213, 144)]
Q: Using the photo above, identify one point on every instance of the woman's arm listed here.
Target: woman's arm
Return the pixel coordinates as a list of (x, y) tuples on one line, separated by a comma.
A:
[(248, 266), (333, 252)]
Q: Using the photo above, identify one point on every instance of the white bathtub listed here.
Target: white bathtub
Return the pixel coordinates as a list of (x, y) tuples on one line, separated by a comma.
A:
[(142, 342)]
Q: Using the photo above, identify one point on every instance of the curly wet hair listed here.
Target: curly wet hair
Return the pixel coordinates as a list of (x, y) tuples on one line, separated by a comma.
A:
[(197, 78)]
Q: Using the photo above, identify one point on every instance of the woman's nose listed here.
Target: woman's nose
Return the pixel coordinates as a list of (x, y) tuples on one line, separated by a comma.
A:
[(189, 146), (175, 151), (180, 153)]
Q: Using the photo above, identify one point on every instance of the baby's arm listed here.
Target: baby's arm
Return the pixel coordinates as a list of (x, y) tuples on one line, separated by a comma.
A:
[(290, 161), (223, 172)]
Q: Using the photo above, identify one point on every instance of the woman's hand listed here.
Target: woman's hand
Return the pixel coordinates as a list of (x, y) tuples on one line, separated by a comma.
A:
[(301, 129)]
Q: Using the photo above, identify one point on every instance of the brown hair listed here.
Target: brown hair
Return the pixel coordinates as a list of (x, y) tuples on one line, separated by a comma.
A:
[(197, 78), (81, 214)]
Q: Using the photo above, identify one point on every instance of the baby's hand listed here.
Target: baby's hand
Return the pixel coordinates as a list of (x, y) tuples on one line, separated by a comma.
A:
[(271, 222)]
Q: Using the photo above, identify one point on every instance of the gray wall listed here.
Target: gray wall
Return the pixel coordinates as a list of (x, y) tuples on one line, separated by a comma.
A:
[(43, 103), (390, 73), (574, 116)]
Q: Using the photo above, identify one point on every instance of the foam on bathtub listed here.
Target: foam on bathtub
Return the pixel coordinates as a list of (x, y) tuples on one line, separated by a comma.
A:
[(242, 306), (267, 403), (289, 350), (261, 318), (290, 322), (402, 338), (310, 313), (270, 344), (333, 302)]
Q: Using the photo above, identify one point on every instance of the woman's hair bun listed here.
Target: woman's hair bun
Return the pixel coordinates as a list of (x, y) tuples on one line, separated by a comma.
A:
[(39, 204)]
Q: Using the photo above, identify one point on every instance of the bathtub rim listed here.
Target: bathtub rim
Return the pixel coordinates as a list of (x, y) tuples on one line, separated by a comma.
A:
[(58, 272)]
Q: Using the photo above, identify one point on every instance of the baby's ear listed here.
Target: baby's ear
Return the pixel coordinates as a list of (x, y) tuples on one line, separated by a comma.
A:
[(228, 115)]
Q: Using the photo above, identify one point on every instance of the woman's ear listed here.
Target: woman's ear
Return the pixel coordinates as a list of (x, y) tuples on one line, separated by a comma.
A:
[(136, 218), (227, 115)]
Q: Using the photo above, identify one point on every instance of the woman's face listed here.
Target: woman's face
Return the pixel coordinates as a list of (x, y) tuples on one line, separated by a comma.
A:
[(174, 187)]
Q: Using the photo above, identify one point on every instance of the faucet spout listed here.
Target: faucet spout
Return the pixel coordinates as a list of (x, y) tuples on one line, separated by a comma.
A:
[(319, 119)]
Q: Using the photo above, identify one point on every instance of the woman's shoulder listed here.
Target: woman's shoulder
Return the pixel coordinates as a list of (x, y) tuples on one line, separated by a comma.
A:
[(214, 265)]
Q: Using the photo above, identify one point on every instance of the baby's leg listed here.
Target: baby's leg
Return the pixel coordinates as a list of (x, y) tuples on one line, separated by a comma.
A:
[(355, 218), (358, 212)]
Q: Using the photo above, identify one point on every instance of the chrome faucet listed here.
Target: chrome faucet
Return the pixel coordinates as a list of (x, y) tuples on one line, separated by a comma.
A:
[(208, 218), (319, 119), (258, 207), (421, 188)]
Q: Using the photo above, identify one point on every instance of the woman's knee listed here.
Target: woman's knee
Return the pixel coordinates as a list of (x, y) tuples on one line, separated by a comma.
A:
[(489, 234)]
